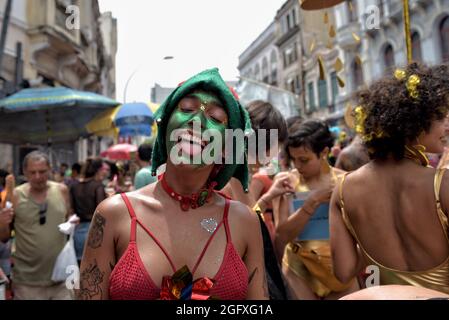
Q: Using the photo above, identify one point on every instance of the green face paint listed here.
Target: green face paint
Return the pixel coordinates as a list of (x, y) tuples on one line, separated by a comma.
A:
[(198, 112)]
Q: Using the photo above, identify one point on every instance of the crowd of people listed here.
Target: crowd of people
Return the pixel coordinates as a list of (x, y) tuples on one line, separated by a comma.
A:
[(32, 211), (304, 216)]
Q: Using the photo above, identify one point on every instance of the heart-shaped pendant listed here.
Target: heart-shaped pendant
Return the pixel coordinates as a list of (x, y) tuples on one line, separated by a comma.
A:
[(209, 224)]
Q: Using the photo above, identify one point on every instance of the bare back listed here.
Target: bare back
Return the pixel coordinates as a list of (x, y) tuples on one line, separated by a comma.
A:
[(392, 208)]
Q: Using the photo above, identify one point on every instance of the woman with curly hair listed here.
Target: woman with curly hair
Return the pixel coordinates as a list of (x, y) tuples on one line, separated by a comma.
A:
[(392, 213)]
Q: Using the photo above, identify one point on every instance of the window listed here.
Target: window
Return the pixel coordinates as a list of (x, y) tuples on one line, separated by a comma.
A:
[(273, 66), (294, 17), (444, 38), (290, 55), (291, 85), (416, 46), (322, 92), (257, 72), (284, 56), (249, 74), (357, 74), (265, 74), (283, 26), (334, 84), (311, 96), (352, 10), (388, 58), (297, 85)]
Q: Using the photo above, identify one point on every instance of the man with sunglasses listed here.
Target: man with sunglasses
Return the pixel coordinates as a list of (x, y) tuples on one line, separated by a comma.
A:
[(39, 207)]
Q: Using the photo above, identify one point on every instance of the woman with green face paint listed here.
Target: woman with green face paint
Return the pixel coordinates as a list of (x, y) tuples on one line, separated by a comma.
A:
[(178, 238), (198, 117)]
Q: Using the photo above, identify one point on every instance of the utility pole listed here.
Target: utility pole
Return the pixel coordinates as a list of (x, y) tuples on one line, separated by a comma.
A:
[(4, 33)]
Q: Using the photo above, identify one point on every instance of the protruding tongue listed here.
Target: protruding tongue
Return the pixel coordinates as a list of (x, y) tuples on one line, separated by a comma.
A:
[(190, 148)]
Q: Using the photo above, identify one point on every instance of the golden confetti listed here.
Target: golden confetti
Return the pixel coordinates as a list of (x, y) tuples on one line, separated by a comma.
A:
[(321, 66), (341, 83), (332, 33), (338, 65), (326, 18), (356, 37), (351, 8), (312, 45)]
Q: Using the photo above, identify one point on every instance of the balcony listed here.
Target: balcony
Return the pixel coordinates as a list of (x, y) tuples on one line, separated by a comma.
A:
[(286, 36), (345, 35)]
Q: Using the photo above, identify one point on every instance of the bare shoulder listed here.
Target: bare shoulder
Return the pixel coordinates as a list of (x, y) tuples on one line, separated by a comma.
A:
[(358, 176), (113, 207), (339, 172), (242, 215)]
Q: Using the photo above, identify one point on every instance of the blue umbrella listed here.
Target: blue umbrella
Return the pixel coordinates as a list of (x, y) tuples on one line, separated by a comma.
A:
[(136, 113), (129, 119), (132, 130), (44, 115)]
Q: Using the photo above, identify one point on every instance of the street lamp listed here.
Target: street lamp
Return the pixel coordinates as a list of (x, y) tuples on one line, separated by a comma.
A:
[(134, 73), (127, 83)]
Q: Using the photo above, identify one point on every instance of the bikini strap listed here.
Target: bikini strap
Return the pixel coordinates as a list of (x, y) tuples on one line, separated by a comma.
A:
[(437, 186), (132, 214), (342, 207), (228, 234)]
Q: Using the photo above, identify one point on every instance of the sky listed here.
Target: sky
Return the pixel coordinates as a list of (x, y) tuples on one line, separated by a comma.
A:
[(198, 34)]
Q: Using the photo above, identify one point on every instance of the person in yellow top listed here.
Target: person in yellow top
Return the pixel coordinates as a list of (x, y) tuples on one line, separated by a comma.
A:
[(392, 213), (301, 244)]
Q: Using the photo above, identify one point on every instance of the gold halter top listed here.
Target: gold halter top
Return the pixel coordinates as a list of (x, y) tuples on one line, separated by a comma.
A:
[(436, 278)]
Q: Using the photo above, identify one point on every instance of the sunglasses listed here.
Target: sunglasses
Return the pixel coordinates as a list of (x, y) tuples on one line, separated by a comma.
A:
[(43, 213)]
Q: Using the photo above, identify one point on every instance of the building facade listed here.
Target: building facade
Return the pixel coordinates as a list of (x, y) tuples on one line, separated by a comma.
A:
[(58, 43), (286, 55), (382, 46), (326, 67)]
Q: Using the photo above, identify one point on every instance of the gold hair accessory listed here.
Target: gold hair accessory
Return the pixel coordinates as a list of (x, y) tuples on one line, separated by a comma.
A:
[(416, 153), (360, 116), (400, 74), (203, 107), (412, 82), (412, 85)]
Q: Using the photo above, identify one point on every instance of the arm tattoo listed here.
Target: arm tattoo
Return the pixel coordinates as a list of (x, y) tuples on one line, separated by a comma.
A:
[(96, 232), (251, 276), (91, 280)]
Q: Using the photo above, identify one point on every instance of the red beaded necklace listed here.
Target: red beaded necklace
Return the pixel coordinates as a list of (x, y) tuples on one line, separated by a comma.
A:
[(193, 201)]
